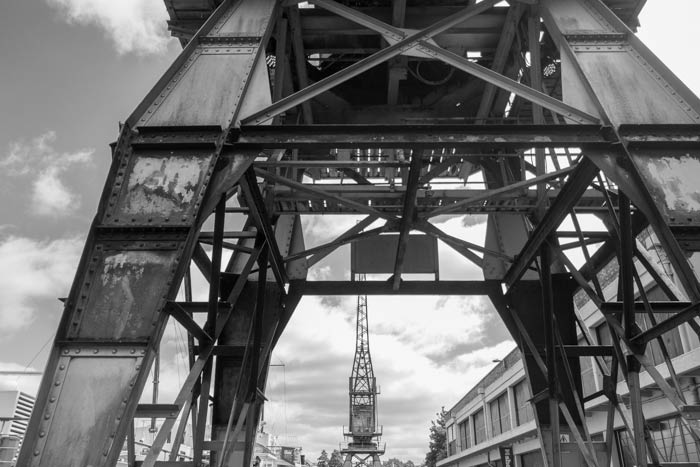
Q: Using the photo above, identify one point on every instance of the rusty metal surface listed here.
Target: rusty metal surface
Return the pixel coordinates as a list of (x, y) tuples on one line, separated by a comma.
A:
[(605, 62), (672, 179), (506, 234), (290, 239), (90, 390), (160, 188), (619, 91), (185, 102), (156, 197), (184, 160), (125, 292), (186, 16)]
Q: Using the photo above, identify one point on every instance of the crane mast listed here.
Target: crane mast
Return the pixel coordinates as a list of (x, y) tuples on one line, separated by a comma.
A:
[(363, 432)]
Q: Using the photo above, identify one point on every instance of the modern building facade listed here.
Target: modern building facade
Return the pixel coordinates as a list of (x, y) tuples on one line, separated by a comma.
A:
[(494, 413), (495, 417), (269, 453), (15, 409)]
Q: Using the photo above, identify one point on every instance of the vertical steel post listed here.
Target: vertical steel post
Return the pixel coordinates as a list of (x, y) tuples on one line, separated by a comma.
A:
[(142, 239), (210, 326), (156, 376), (627, 287), (550, 350), (254, 368), (130, 446)]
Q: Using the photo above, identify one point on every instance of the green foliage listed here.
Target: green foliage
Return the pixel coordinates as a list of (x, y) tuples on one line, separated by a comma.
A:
[(394, 462), (336, 459), (438, 439), (322, 460)]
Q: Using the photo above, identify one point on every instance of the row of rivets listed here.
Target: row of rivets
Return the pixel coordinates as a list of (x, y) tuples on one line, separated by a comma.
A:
[(59, 377), (171, 87)]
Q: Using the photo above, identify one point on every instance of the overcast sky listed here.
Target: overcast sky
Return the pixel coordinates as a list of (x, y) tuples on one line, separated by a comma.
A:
[(71, 70)]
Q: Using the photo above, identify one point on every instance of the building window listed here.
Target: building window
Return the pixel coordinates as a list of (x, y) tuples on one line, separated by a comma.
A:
[(523, 407), (465, 440), (587, 372), (479, 427), (451, 442), (673, 442), (500, 415)]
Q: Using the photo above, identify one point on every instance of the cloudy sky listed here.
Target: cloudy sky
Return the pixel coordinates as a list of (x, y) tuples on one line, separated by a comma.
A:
[(71, 70)]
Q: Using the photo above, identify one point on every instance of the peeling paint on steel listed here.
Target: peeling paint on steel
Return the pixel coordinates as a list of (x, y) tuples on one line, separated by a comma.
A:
[(678, 178), (124, 299), (163, 184), (122, 274)]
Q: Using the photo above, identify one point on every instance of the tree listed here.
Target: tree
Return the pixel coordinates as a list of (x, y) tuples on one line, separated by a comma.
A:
[(394, 462), (322, 460), (438, 439), (336, 459)]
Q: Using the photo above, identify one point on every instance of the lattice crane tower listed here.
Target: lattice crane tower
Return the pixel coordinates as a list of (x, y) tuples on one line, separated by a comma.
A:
[(364, 431), (527, 112)]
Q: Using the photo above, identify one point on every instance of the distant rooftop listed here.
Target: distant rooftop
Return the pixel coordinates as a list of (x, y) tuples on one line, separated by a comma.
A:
[(508, 362)]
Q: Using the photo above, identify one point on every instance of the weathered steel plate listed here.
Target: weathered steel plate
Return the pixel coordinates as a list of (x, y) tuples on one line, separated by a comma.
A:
[(121, 297), (88, 389), (225, 69), (507, 234), (575, 16), (672, 179), (253, 23), (618, 90), (377, 255), (159, 188)]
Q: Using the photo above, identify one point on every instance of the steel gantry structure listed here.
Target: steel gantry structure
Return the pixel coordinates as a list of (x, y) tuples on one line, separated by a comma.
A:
[(363, 430), (531, 112)]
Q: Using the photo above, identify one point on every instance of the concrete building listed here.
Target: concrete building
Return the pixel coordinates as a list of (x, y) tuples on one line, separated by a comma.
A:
[(496, 415), (268, 452), (15, 409)]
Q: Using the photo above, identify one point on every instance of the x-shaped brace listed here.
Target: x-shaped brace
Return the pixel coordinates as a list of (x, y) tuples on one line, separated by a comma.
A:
[(415, 43)]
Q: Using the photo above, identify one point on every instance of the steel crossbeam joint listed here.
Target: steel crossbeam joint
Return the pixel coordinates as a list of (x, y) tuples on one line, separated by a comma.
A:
[(249, 185)]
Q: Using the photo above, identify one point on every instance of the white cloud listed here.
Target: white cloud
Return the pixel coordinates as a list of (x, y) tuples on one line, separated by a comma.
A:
[(427, 351), (50, 196), (307, 398), (20, 155), (34, 271), (405, 333), (453, 320), (134, 26), (663, 39), (24, 380)]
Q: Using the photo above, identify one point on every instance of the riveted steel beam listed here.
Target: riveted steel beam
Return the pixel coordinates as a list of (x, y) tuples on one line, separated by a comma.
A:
[(249, 185), (409, 208), (407, 288), (432, 51), (366, 64), (572, 190), (421, 136)]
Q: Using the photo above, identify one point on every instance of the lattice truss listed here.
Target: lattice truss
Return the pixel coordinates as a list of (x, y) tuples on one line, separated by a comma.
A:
[(542, 115), (363, 431), (362, 382)]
